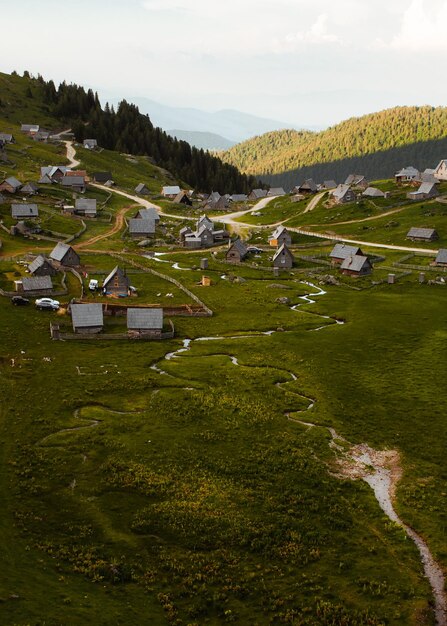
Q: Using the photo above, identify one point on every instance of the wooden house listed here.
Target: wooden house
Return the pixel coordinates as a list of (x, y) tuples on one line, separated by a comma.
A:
[(328, 185), (7, 138), (306, 188), (257, 194), (441, 258), (64, 255), (283, 258), (407, 175), (10, 184), (342, 251), (343, 194), (150, 213), (86, 207), (35, 285), (24, 211), (356, 180), (237, 251), (274, 192), (75, 183), (170, 191), (54, 172), (356, 265), (425, 192), (440, 171), (373, 192), (142, 189), (117, 283), (141, 228), (90, 144), (183, 198), (221, 204), (41, 267), (145, 322), (87, 318), (30, 129), (239, 197), (102, 177), (422, 234), (184, 232), (280, 236), (29, 189)]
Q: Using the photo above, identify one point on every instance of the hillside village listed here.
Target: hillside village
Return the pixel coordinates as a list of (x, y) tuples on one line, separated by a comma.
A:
[(215, 380)]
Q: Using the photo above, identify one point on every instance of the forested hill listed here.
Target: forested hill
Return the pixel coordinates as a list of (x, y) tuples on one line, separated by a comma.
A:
[(283, 151), (36, 101)]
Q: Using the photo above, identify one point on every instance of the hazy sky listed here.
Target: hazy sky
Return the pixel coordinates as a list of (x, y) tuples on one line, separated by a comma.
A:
[(308, 62)]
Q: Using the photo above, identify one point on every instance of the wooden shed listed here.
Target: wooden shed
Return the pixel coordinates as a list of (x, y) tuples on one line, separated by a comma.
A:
[(237, 251), (283, 258), (87, 318), (41, 267), (356, 265), (145, 322), (63, 254), (117, 283)]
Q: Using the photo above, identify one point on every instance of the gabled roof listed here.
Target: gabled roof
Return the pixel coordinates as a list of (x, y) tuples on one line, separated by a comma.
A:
[(373, 192), (205, 220), (142, 226), (278, 232), (427, 188), (51, 170), (354, 179), (13, 182), (185, 230), (343, 251), (87, 315), (7, 137), (170, 190), (340, 192), (355, 263), (30, 188), (86, 204), (442, 256), (102, 177), (238, 197), (203, 229), (45, 180), (59, 251), (422, 233), (182, 197), (24, 210), (73, 181), (329, 184), (145, 319), (276, 191), (30, 128), (259, 193), (38, 262), (37, 283), (240, 246), (308, 185), (90, 142), (214, 196), (408, 172), (148, 214), (116, 270), (281, 251), (141, 187)]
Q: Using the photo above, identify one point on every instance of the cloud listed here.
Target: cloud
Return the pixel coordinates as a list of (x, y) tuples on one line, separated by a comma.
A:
[(317, 34), (422, 28), (165, 6)]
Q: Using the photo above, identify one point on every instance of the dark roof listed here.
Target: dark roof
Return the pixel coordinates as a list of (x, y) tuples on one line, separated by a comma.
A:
[(259, 193), (355, 263), (37, 283), (204, 220), (240, 246), (24, 210), (59, 251), (145, 319), (238, 197), (343, 251), (329, 184), (86, 204), (87, 315), (73, 181), (102, 177), (141, 187), (422, 233), (309, 185), (116, 270), (354, 179), (13, 182), (282, 250), (442, 256), (150, 213), (29, 188), (38, 262), (143, 226), (276, 191), (373, 192)]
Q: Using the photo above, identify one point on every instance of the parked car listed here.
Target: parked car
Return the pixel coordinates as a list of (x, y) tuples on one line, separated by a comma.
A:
[(19, 300), (254, 249), (93, 284), (47, 304)]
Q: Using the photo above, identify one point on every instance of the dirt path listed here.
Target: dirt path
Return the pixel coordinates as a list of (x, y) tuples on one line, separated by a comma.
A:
[(118, 225), (71, 153), (313, 203)]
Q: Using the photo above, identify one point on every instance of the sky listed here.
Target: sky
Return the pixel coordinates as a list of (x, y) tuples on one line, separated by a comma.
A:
[(304, 62)]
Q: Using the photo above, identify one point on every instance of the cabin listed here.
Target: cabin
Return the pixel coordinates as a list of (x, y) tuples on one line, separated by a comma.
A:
[(283, 258), (257, 194), (307, 188), (422, 234), (102, 177), (440, 171), (90, 144), (183, 198), (42, 136), (116, 284), (237, 251), (10, 184), (35, 285), (30, 129), (141, 228), (41, 267), (142, 189), (356, 180), (280, 236), (356, 265), (75, 183), (24, 211), (87, 318), (25, 228), (407, 175), (275, 192), (221, 204), (45, 180), (170, 191), (145, 322), (327, 185), (54, 172), (29, 189), (373, 192), (148, 214), (342, 251), (204, 220), (7, 138), (184, 232), (239, 197), (428, 176), (441, 258), (425, 192), (64, 255), (343, 194), (86, 207)]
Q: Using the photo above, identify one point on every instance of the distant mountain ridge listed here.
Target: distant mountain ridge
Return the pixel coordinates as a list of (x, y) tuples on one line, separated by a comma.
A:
[(372, 137), (199, 139), (235, 126)]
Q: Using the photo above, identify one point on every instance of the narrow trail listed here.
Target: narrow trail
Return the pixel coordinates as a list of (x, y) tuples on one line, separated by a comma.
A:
[(117, 226), (313, 203)]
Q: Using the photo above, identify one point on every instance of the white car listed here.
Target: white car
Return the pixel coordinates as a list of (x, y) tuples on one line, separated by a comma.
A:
[(47, 304), (93, 285)]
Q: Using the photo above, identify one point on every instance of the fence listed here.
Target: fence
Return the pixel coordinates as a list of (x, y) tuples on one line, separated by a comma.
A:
[(57, 335)]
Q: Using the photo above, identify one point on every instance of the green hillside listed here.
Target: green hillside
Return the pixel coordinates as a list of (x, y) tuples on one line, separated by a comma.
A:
[(286, 150)]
